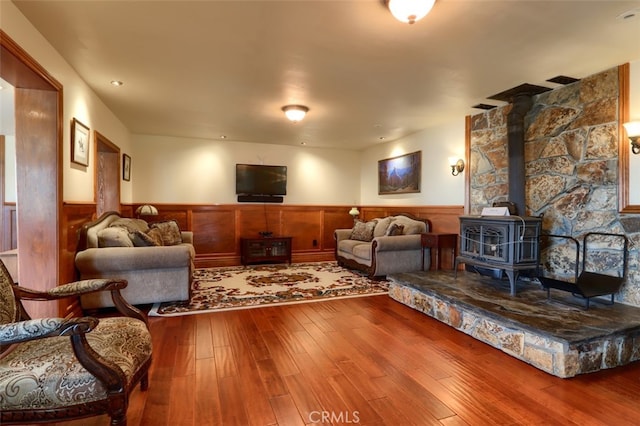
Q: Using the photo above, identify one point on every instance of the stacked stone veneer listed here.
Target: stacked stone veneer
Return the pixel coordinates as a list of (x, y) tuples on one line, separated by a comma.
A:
[(571, 171), (552, 355)]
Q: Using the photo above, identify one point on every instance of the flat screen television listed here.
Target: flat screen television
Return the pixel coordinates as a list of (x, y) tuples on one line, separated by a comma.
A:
[(257, 179)]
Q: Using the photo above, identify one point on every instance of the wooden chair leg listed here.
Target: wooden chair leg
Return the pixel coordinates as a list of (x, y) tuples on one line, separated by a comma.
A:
[(144, 382)]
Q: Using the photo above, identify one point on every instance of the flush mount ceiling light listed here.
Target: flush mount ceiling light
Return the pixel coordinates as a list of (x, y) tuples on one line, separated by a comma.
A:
[(116, 83), (295, 113), (409, 11)]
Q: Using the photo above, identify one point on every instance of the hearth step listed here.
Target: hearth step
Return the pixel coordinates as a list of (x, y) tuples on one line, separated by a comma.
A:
[(588, 284)]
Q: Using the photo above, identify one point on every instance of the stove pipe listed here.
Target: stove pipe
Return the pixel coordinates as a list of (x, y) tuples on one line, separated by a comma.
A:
[(515, 150)]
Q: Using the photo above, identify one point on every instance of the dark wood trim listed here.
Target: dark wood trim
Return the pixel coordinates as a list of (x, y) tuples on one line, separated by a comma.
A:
[(3, 241), (38, 169), (624, 98), (106, 180), (218, 228)]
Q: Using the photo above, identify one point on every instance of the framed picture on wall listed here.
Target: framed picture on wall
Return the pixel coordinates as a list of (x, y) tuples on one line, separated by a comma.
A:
[(80, 143), (126, 167), (400, 175)]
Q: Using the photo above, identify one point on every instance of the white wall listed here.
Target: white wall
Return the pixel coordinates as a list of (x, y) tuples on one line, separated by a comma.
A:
[(79, 102), (8, 129), (438, 186), (178, 170), (197, 171), (634, 115)]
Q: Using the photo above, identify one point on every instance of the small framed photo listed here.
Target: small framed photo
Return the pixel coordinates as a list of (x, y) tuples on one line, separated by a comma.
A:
[(80, 143), (126, 167)]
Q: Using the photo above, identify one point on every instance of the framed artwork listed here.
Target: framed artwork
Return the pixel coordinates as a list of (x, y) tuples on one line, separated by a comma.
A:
[(79, 143), (126, 167), (400, 175)]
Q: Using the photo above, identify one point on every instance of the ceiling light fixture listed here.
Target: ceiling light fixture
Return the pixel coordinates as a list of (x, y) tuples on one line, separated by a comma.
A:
[(409, 11), (295, 113), (116, 83)]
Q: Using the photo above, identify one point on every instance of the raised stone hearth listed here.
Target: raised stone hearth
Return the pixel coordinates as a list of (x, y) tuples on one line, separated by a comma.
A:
[(556, 335)]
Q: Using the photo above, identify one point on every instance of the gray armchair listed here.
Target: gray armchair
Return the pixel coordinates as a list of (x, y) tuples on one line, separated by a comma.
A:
[(55, 369)]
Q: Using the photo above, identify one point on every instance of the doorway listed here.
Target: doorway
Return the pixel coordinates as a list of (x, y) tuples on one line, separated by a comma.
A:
[(107, 175), (38, 138)]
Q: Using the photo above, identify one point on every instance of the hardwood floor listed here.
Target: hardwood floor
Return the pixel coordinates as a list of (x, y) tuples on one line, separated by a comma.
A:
[(367, 361)]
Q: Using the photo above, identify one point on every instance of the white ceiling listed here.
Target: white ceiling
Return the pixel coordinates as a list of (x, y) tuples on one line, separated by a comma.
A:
[(202, 69)]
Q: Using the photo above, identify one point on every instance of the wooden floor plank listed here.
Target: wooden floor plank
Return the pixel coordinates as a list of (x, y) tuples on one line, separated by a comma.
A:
[(208, 411), (394, 366)]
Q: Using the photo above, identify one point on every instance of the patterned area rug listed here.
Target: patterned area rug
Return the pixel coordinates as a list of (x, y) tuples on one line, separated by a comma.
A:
[(239, 287)]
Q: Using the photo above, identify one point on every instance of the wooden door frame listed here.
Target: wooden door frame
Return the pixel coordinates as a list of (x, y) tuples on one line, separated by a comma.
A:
[(104, 145), (40, 219)]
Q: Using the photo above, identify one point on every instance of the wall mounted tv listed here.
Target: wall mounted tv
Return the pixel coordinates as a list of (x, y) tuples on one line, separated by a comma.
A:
[(260, 183)]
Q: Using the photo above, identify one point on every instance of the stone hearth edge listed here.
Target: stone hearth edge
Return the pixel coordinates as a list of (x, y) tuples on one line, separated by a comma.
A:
[(562, 357)]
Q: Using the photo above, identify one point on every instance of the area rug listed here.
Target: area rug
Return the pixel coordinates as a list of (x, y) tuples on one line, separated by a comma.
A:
[(241, 287)]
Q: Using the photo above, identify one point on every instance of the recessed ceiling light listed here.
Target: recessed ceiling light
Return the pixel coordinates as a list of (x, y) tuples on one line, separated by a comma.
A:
[(223, 136), (382, 138), (303, 143), (116, 83)]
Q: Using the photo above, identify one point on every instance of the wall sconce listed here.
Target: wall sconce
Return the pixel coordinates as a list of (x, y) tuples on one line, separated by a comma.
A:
[(633, 133), (354, 212), (146, 210), (457, 165)]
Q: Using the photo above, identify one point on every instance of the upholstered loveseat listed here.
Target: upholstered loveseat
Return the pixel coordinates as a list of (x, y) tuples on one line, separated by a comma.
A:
[(156, 259), (384, 245)]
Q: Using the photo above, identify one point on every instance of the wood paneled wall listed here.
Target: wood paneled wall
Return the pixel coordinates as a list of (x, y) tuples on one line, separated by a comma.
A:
[(9, 227), (217, 229)]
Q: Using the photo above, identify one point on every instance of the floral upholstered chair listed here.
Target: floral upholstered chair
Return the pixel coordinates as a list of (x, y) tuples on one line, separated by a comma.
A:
[(53, 369)]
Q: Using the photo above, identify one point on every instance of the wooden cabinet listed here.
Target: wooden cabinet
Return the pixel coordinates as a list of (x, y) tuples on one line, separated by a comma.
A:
[(265, 250)]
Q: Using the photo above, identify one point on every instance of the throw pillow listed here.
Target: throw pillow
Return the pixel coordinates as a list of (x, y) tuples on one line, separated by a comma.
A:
[(114, 237), (131, 225), (156, 236), (381, 227), (169, 231), (140, 239), (395, 229), (363, 231)]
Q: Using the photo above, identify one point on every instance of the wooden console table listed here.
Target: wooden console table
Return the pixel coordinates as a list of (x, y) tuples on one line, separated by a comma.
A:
[(265, 250), (438, 242)]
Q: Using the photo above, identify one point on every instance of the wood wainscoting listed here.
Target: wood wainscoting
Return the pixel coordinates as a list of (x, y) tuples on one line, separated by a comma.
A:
[(217, 229)]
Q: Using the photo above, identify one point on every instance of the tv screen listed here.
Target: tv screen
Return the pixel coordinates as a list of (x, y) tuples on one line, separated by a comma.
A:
[(255, 179)]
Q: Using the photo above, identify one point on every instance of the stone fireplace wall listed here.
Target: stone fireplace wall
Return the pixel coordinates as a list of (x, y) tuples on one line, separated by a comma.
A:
[(571, 169)]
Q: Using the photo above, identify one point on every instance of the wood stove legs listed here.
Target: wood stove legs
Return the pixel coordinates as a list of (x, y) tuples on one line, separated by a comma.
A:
[(512, 274), (513, 278)]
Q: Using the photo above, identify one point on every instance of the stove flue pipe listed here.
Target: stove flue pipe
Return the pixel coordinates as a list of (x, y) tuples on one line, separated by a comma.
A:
[(515, 150)]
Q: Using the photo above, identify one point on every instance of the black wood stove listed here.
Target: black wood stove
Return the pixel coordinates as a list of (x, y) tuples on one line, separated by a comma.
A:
[(495, 245)]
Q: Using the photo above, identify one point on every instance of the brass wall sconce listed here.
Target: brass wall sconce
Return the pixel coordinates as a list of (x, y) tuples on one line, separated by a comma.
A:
[(457, 166), (633, 133)]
